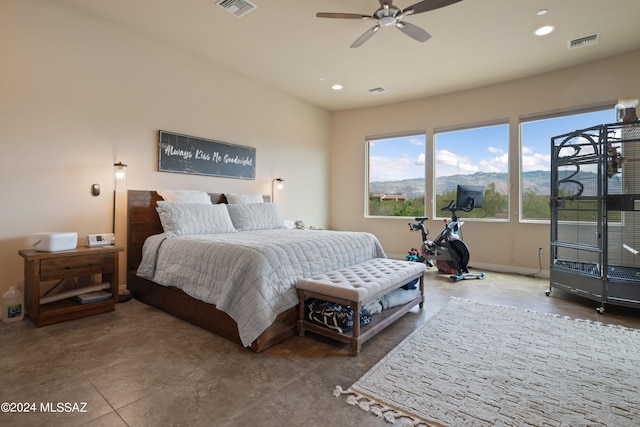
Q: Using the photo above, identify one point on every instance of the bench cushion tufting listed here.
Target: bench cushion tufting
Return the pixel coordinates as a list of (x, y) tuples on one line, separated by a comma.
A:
[(361, 282)]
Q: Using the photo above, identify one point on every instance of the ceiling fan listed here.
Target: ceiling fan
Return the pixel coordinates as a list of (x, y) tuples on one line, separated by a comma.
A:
[(388, 14)]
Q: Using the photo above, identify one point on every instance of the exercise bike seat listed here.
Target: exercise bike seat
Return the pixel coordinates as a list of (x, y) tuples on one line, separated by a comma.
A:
[(422, 218)]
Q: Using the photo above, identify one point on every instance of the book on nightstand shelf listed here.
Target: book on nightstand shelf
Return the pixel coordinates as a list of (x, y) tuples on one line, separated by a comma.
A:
[(90, 297)]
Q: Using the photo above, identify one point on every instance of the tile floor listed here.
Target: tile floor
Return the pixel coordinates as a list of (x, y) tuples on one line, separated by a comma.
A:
[(138, 366)]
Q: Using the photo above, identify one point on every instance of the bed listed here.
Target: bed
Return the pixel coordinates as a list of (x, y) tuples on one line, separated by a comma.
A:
[(245, 289)]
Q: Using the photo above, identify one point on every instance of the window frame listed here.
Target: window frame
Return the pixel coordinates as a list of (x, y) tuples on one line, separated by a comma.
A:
[(367, 140), (436, 213), (553, 114)]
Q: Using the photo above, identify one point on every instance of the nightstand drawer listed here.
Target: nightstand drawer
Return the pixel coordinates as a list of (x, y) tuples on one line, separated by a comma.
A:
[(85, 265)]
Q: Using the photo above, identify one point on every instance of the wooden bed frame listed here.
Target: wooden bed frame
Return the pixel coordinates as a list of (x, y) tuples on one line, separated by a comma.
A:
[(143, 221)]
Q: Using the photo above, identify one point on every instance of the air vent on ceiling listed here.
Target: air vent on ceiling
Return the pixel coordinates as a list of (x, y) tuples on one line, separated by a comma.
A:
[(583, 41), (378, 90), (237, 7)]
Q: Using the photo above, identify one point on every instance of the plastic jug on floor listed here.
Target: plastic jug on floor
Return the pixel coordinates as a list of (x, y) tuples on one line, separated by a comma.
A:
[(12, 305)]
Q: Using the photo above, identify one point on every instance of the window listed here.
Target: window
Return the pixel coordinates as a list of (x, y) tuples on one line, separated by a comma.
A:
[(535, 156), (478, 156), (396, 176)]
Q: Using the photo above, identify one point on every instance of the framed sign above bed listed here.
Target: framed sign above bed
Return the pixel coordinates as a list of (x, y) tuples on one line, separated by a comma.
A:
[(198, 156)]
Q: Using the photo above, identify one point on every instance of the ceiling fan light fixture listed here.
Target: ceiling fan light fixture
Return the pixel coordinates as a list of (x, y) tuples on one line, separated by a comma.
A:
[(388, 15), (386, 21)]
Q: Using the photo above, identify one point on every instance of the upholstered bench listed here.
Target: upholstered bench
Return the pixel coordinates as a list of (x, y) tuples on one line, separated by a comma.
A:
[(357, 286)]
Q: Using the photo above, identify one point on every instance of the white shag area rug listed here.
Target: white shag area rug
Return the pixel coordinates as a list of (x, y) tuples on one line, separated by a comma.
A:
[(474, 364)]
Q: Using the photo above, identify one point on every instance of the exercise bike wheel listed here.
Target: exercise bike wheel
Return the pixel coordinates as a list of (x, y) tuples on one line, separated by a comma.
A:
[(461, 253)]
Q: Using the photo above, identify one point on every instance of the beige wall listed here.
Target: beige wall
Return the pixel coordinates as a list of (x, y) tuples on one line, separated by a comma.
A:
[(78, 94), (508, 246)]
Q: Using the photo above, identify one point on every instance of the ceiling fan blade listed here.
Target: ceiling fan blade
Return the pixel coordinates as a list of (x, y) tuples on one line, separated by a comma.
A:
[(342, 15), (427, 5), (366, 36), (413, 31)]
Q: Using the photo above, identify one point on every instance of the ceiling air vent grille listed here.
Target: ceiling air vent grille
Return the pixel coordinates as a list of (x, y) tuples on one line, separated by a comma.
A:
[(583, 41), (378, 90), (237, 7)]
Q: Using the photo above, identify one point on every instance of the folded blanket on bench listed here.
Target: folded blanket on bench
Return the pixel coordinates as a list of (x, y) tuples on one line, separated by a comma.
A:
[(392, 299), (398, 297)]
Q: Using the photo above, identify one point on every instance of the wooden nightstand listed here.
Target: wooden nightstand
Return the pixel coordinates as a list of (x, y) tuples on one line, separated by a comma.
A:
[(82, 261)]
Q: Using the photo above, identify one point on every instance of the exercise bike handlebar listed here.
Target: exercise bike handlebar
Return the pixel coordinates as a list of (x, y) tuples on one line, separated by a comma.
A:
[(451, 207), (469, 207)]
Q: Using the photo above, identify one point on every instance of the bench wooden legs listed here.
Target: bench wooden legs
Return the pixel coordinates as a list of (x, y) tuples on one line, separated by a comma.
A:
[(355, 333), (301, 307)]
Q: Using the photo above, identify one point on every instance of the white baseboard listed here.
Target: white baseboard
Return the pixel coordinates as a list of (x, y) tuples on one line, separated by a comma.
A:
[(543, 274)]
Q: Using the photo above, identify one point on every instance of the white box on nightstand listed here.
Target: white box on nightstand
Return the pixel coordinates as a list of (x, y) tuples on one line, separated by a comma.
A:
[(56, 241)]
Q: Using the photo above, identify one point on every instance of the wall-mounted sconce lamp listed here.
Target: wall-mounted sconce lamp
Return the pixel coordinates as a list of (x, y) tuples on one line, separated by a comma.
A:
[(277, 190), (120, 172)]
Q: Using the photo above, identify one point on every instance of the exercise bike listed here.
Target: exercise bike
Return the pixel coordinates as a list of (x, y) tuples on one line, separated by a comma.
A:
[(447, 246)]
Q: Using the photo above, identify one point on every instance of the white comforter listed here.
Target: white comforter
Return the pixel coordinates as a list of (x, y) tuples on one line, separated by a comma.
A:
[(251, 275)]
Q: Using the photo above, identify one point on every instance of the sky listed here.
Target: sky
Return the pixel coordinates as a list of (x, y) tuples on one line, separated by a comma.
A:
[(536, 135), (482, 149), (395, 159)]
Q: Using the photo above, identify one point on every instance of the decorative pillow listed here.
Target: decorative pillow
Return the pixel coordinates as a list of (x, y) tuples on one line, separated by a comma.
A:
[(255, 216), (179, 219), (241, 199), (185, 196)]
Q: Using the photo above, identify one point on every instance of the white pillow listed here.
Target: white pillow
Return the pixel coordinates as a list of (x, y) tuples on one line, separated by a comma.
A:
[(185, 196), (179, 219), (240, 199), (255, 216)]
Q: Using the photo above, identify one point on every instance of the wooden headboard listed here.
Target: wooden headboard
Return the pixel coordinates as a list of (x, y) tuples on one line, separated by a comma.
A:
[(143, 221)]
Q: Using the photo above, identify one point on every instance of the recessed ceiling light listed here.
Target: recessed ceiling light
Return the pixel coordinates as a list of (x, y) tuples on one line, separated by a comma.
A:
[(543, 31), (336, 87), (542, 12)]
